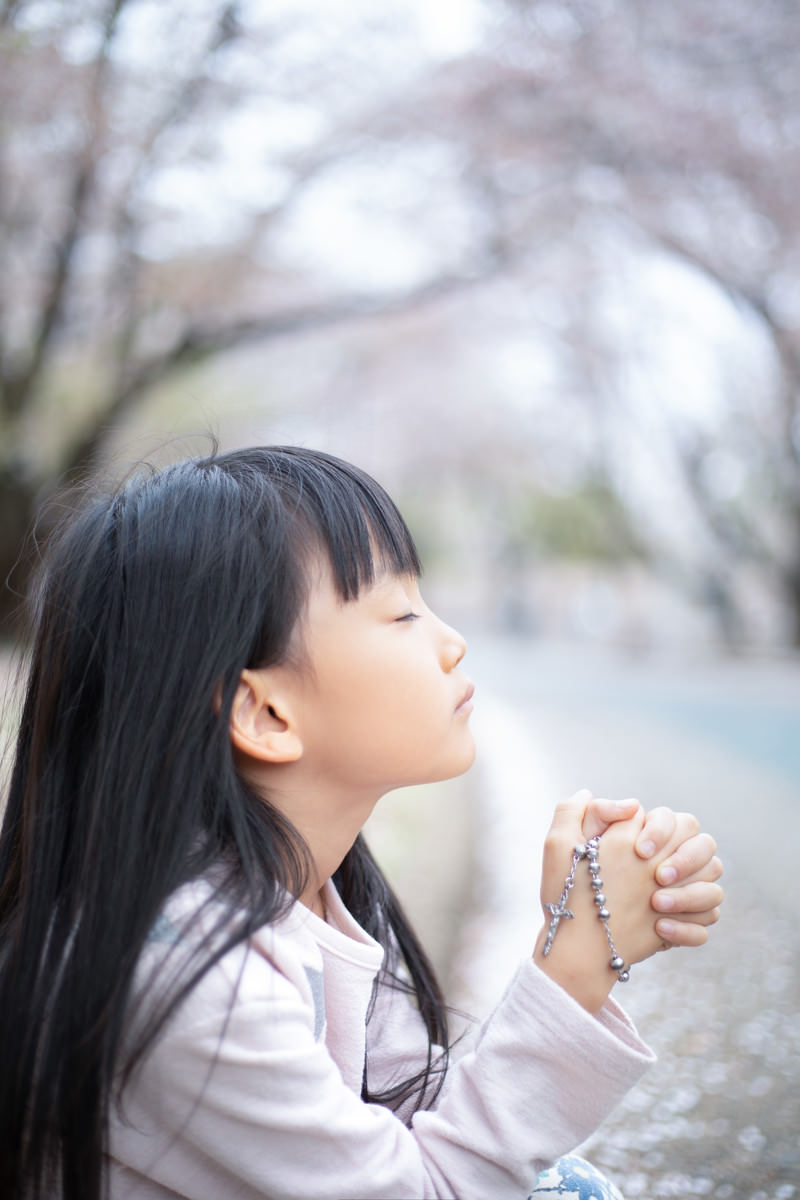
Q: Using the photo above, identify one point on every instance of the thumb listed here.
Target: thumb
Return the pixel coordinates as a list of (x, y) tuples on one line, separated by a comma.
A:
[(601, 814), (566, 832), (569, 816)]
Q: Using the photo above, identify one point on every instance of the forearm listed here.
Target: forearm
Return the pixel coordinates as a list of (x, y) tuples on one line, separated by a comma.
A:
[(543, 1076)]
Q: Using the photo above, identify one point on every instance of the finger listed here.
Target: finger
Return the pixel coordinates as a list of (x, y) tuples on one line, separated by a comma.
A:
[(692, 855), (695, 899), (659, 827), (565, 832), (686, 826), (710, 872), (670, 830), (568, 816), (703, 919), (682, 933), (601, 813)]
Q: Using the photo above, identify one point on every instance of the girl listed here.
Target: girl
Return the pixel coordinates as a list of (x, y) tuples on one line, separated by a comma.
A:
[(207, 988)]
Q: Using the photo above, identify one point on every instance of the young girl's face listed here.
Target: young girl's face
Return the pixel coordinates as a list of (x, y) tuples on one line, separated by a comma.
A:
[(383, 702)]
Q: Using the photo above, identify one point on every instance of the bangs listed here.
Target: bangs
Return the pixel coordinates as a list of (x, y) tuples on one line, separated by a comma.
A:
[(331, 507), (357, 523)]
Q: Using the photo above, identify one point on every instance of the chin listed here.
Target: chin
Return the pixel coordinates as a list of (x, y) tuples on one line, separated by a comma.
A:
[(460, 765)]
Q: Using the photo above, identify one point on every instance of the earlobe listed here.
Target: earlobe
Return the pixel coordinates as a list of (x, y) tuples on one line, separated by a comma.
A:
[(261, 726)]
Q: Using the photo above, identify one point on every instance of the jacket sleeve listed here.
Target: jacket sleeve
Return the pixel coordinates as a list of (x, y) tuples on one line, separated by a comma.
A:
[(242, 1101), (543, 1075)]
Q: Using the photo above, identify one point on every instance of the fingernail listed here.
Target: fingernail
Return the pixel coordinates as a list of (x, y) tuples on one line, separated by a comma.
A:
[(667, 875), (665, 929), (647, 849), (665, 902)]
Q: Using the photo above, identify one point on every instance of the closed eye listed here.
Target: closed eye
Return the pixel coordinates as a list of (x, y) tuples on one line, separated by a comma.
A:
[(411, 616)]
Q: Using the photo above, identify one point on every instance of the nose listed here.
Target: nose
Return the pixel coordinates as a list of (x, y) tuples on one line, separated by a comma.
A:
[(453, 647)]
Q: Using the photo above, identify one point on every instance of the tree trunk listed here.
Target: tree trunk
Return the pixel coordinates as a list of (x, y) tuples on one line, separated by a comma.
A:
[(19, 499)]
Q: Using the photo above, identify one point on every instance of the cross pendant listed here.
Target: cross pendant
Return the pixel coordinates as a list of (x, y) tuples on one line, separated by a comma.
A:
[(558, 912)]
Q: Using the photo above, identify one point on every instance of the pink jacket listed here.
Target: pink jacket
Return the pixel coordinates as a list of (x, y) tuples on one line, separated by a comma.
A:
[(254, 1088)]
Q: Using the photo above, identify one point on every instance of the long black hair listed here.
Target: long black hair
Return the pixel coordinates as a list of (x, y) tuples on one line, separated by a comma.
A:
[(124, 787)]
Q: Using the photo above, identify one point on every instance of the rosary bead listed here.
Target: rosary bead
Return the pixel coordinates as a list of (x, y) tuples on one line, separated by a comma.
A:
[(559, 912)]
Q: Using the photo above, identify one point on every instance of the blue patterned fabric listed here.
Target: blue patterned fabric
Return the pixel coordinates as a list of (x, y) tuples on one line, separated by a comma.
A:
[(573, 1178)]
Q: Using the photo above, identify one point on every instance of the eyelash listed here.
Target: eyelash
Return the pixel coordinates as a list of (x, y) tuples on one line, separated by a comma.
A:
[(412, 616)]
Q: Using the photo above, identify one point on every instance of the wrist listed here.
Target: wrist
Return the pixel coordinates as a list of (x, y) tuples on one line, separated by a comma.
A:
[(580, 970)]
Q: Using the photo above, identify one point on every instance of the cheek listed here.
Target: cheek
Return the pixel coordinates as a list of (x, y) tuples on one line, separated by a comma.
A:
[(380, 697)]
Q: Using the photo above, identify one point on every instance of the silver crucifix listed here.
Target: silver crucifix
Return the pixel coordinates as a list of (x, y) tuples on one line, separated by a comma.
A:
[(558, 912)]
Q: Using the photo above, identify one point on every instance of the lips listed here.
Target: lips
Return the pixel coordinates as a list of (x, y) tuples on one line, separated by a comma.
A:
[(465, 705)]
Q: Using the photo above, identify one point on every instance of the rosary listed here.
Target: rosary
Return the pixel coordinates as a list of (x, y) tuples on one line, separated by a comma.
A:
[(559, 912)]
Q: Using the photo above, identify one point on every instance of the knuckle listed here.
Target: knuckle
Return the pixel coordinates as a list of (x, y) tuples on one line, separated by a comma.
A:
[(708, 844), (557, 842), (695, 852), (691, 823), (661, 821)]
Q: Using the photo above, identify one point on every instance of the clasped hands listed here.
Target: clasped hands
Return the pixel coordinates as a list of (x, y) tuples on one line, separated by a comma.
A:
[(661, 879)]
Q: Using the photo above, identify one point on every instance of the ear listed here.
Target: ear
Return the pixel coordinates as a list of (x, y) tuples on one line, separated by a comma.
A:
[(261, 725)]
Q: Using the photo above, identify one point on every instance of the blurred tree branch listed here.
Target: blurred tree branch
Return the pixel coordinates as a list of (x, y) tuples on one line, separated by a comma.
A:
[(677, 122), (200, 343)]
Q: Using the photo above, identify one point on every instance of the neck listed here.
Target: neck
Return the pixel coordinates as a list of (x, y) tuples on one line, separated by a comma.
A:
[(328, 819), (315, 901)]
